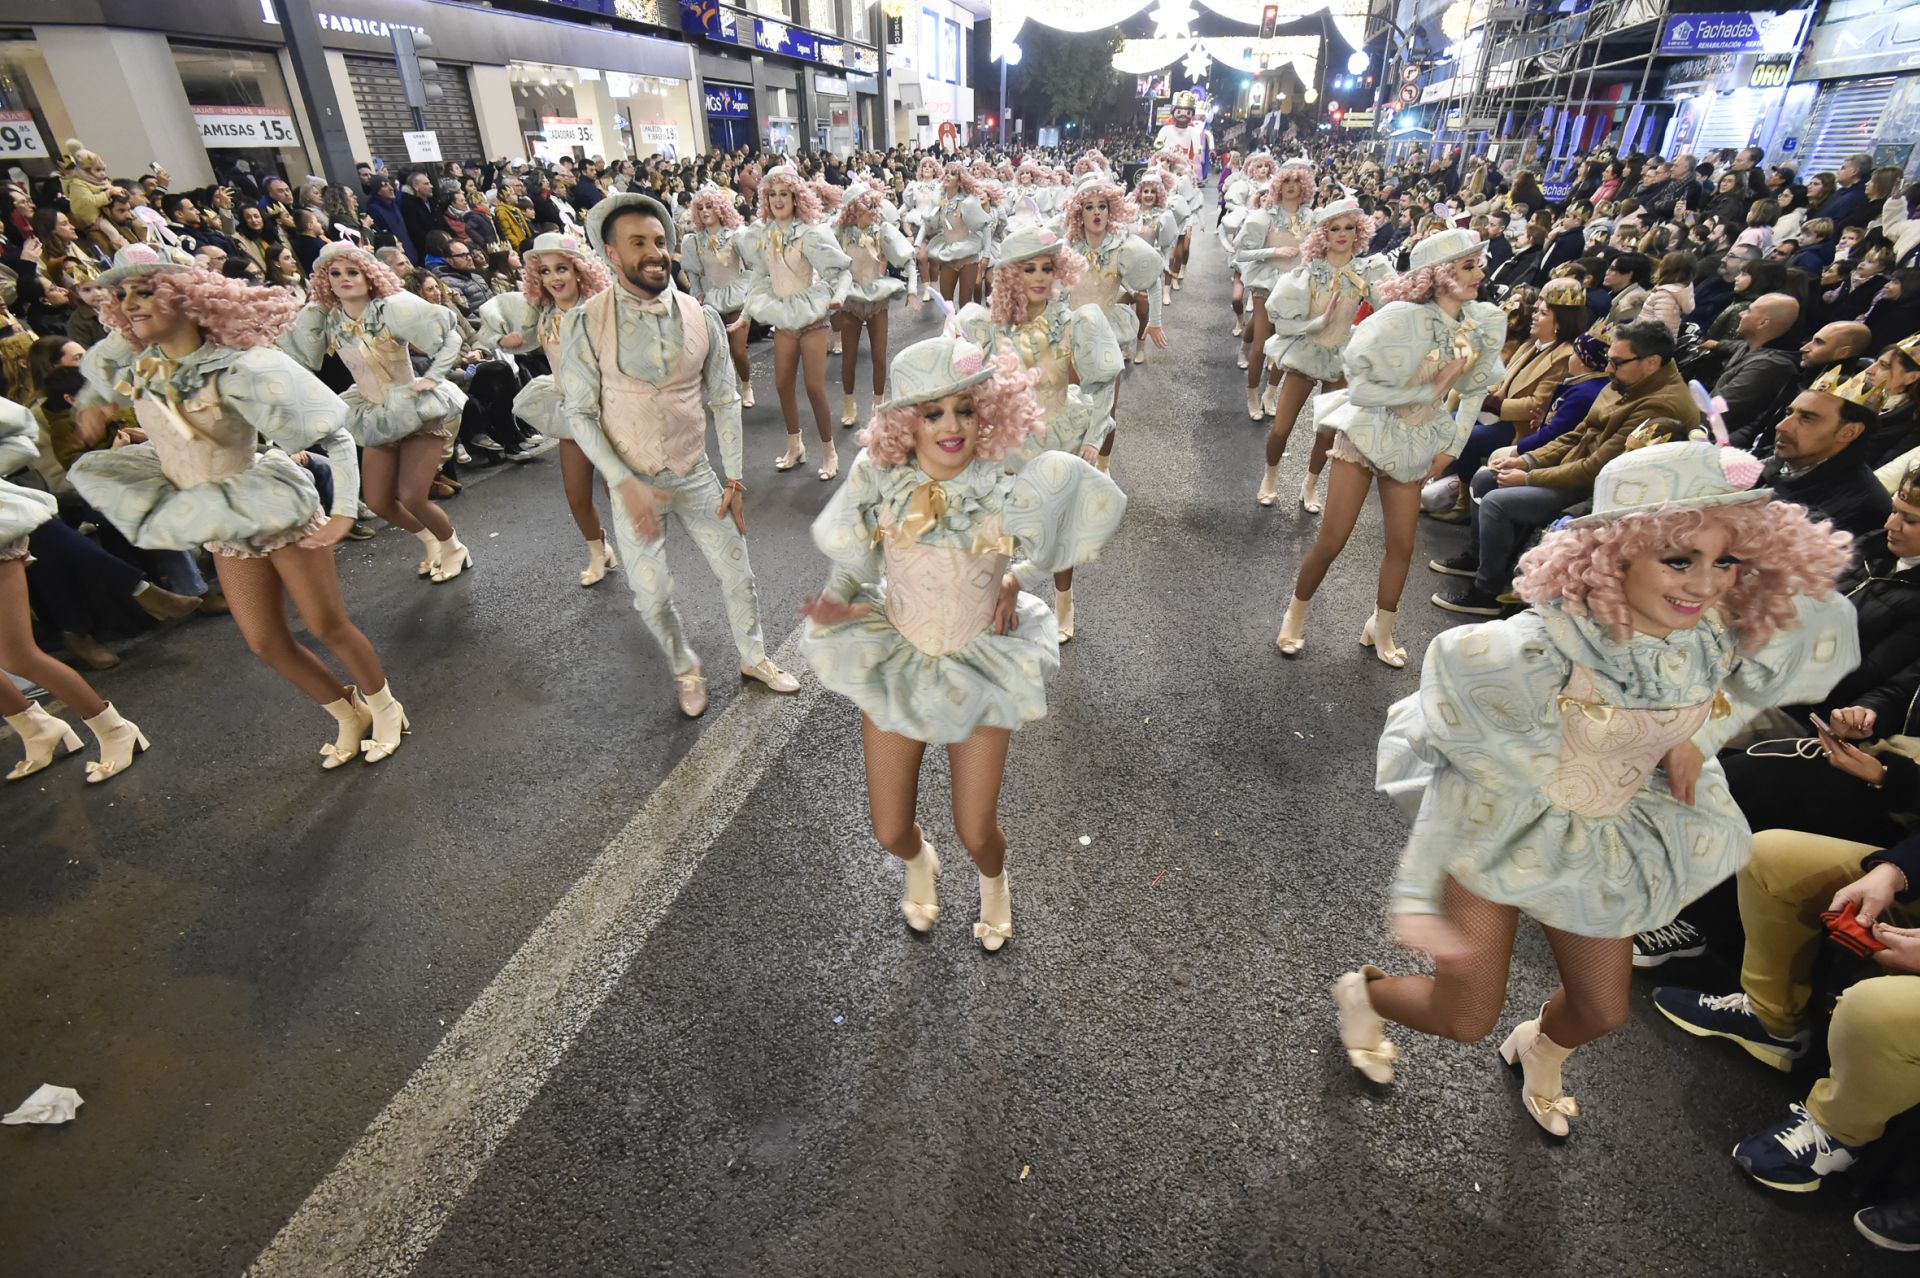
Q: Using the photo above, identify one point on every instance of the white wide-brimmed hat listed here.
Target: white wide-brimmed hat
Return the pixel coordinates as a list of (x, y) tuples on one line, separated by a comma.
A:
[(1663, 477)]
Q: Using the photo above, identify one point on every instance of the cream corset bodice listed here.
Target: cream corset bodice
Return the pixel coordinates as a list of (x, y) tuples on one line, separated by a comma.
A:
[(198, 440), (941, 598), (1608, 752), (378, 364)]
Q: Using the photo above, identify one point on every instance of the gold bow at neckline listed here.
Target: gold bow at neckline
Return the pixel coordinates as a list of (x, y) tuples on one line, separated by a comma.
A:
[(1602, 713), (925, 511)]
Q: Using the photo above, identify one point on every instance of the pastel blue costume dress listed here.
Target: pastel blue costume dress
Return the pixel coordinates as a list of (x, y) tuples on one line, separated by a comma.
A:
[(870, 251), (1120, 264), (201, 479), (1061, 343), (510, 314), (798, 271), (1387, 417), (1308, 333), (1260, 247), (955, 230), (382, 406), (1160, 228), (718, 275), (21, 509), (927, 558), (1528, 760)]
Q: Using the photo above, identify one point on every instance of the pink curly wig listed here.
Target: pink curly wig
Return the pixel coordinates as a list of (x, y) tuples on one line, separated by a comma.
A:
[(229, 312), (710, 208), (969, 184), (992, 195), (1314, 247), (831, 196), (1783, 553), (1030, 174), (594, 277), (1009, 293), (1120, 209), (872, 199), (1004, 404), (1421, 285), (928, 171), (1291, 180), (1091, 162), (806, 201), (1261, 169), (381, 281), (1149, 184), (982, 169)]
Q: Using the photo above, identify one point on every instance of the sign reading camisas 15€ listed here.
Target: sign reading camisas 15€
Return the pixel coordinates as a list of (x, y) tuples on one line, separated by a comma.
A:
[(245, 126)]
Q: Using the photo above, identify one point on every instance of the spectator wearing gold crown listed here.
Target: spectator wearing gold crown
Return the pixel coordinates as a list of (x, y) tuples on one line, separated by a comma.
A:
[(1820, 455)]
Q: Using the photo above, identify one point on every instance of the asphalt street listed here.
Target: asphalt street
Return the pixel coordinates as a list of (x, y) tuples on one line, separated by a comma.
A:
[(574, 986)]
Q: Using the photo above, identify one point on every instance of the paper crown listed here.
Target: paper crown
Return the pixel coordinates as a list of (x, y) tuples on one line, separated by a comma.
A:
[(1853, 389), (1564, 291), (1909, 489)]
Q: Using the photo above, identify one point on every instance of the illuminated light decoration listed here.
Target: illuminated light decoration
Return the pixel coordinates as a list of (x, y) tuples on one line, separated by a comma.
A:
[(894, 8), (1174, 19), (1197, 64), (1236, 53), (1358, 62), (1349, 18)]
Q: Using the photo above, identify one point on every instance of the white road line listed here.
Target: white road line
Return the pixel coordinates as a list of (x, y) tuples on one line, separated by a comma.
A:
[(382, 1205)]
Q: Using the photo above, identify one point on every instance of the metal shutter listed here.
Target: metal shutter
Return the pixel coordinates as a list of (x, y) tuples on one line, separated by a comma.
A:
[(384, 113), (1849, 116), (1729, 123)]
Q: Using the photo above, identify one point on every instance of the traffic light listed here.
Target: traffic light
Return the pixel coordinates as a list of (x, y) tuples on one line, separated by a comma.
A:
[(414, 69), (1269, 19)]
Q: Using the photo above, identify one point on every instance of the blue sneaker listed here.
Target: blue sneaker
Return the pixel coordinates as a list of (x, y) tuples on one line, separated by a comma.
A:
[(1729, 1016), (1794, 1155)]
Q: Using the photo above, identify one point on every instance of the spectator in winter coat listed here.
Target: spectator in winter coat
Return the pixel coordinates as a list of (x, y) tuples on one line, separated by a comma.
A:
[(1820, 461), (416, 208)]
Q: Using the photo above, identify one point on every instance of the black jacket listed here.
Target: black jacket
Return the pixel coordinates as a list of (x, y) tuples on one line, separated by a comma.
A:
[(418, 215), (1886, 606), (1753, 383), (1841, 489), (1894, 432), (1499, 249), (1522, 268)]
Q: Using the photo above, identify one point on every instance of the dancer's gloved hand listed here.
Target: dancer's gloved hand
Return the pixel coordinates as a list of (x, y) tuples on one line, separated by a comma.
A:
[(1682, 765), (1159, 336), (824, 610), (1005, 608), (328, 534), (733, 501), (1431, 934), (643, 509)]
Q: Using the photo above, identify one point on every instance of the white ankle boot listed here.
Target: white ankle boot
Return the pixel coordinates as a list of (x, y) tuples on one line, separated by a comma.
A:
[(1253, 403), (1540, 1059), (1293, 627), (454, 559), (921, 900), (848, 411), (1362, 1032), (1063, 613), (1271, 402), (746, 393), (795, 455), (355, 721), (1310, 494), (431, 545), (44, 737), (119, 742), (830, 468), (1140, 350), (995, 927), (600, 557), (1378, 635), (1269, 487), (390, 723)]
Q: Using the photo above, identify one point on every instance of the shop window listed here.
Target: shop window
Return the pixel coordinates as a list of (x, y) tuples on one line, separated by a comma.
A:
[(929, 59), (951, 53), (781, 9), (582, 112), (824, 15), (241, 104)]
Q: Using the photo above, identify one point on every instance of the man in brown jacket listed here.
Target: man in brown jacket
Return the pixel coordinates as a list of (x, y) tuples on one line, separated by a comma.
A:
[(1516, 494)]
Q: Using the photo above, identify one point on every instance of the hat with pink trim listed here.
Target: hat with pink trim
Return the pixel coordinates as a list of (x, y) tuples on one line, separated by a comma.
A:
[(1663, 477), (935, 369)]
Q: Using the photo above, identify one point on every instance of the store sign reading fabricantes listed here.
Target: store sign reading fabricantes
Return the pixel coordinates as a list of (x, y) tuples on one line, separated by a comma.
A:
[(345, 26)]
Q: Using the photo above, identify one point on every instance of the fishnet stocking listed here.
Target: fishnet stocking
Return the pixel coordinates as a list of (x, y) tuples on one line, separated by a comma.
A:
[(1463, 999), (893, 791)]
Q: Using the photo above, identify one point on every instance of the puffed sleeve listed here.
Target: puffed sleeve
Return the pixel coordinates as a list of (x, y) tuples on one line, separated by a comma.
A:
[(18, 431), (823, 253), (1797, 666), (1060, 512), (579, 378), (974, 213), (746, 241), (1481, 731), (976, 325), (844, 530), (1250, 242), (427, 328), (894, 244), (306, 341), (692, 262), (1289, 303), (1382, 356), (104, 364), (1098, 360), (1140, 268), (1485, 372), (505, 316), (1376, 269)]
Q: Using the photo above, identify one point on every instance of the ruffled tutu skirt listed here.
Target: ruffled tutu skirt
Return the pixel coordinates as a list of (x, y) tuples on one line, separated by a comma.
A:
[(405, 412), (795, 314), (875, 297), (728, 298), (1306, 357), (271, 504), (955, 252), (21, 511), (995, 681), (539, 405)]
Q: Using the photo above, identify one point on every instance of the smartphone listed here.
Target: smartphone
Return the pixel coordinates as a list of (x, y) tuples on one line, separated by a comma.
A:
[(1821, 724)]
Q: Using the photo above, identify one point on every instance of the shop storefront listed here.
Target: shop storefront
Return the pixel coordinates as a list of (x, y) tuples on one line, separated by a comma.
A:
[(730, 115), (1862, 77), (798, 81), (197, 85)]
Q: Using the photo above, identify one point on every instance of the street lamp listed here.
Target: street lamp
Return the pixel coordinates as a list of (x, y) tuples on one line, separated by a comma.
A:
[(1010, 58), (1358, 62)]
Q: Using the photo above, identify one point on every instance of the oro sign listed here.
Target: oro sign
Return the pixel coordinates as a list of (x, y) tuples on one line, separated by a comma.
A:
[(245, 126)]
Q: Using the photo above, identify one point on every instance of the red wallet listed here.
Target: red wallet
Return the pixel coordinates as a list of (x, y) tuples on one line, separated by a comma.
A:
[(1849, 933)]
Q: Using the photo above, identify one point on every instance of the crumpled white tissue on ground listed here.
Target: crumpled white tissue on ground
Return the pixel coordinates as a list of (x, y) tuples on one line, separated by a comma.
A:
[(48, 1104)]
